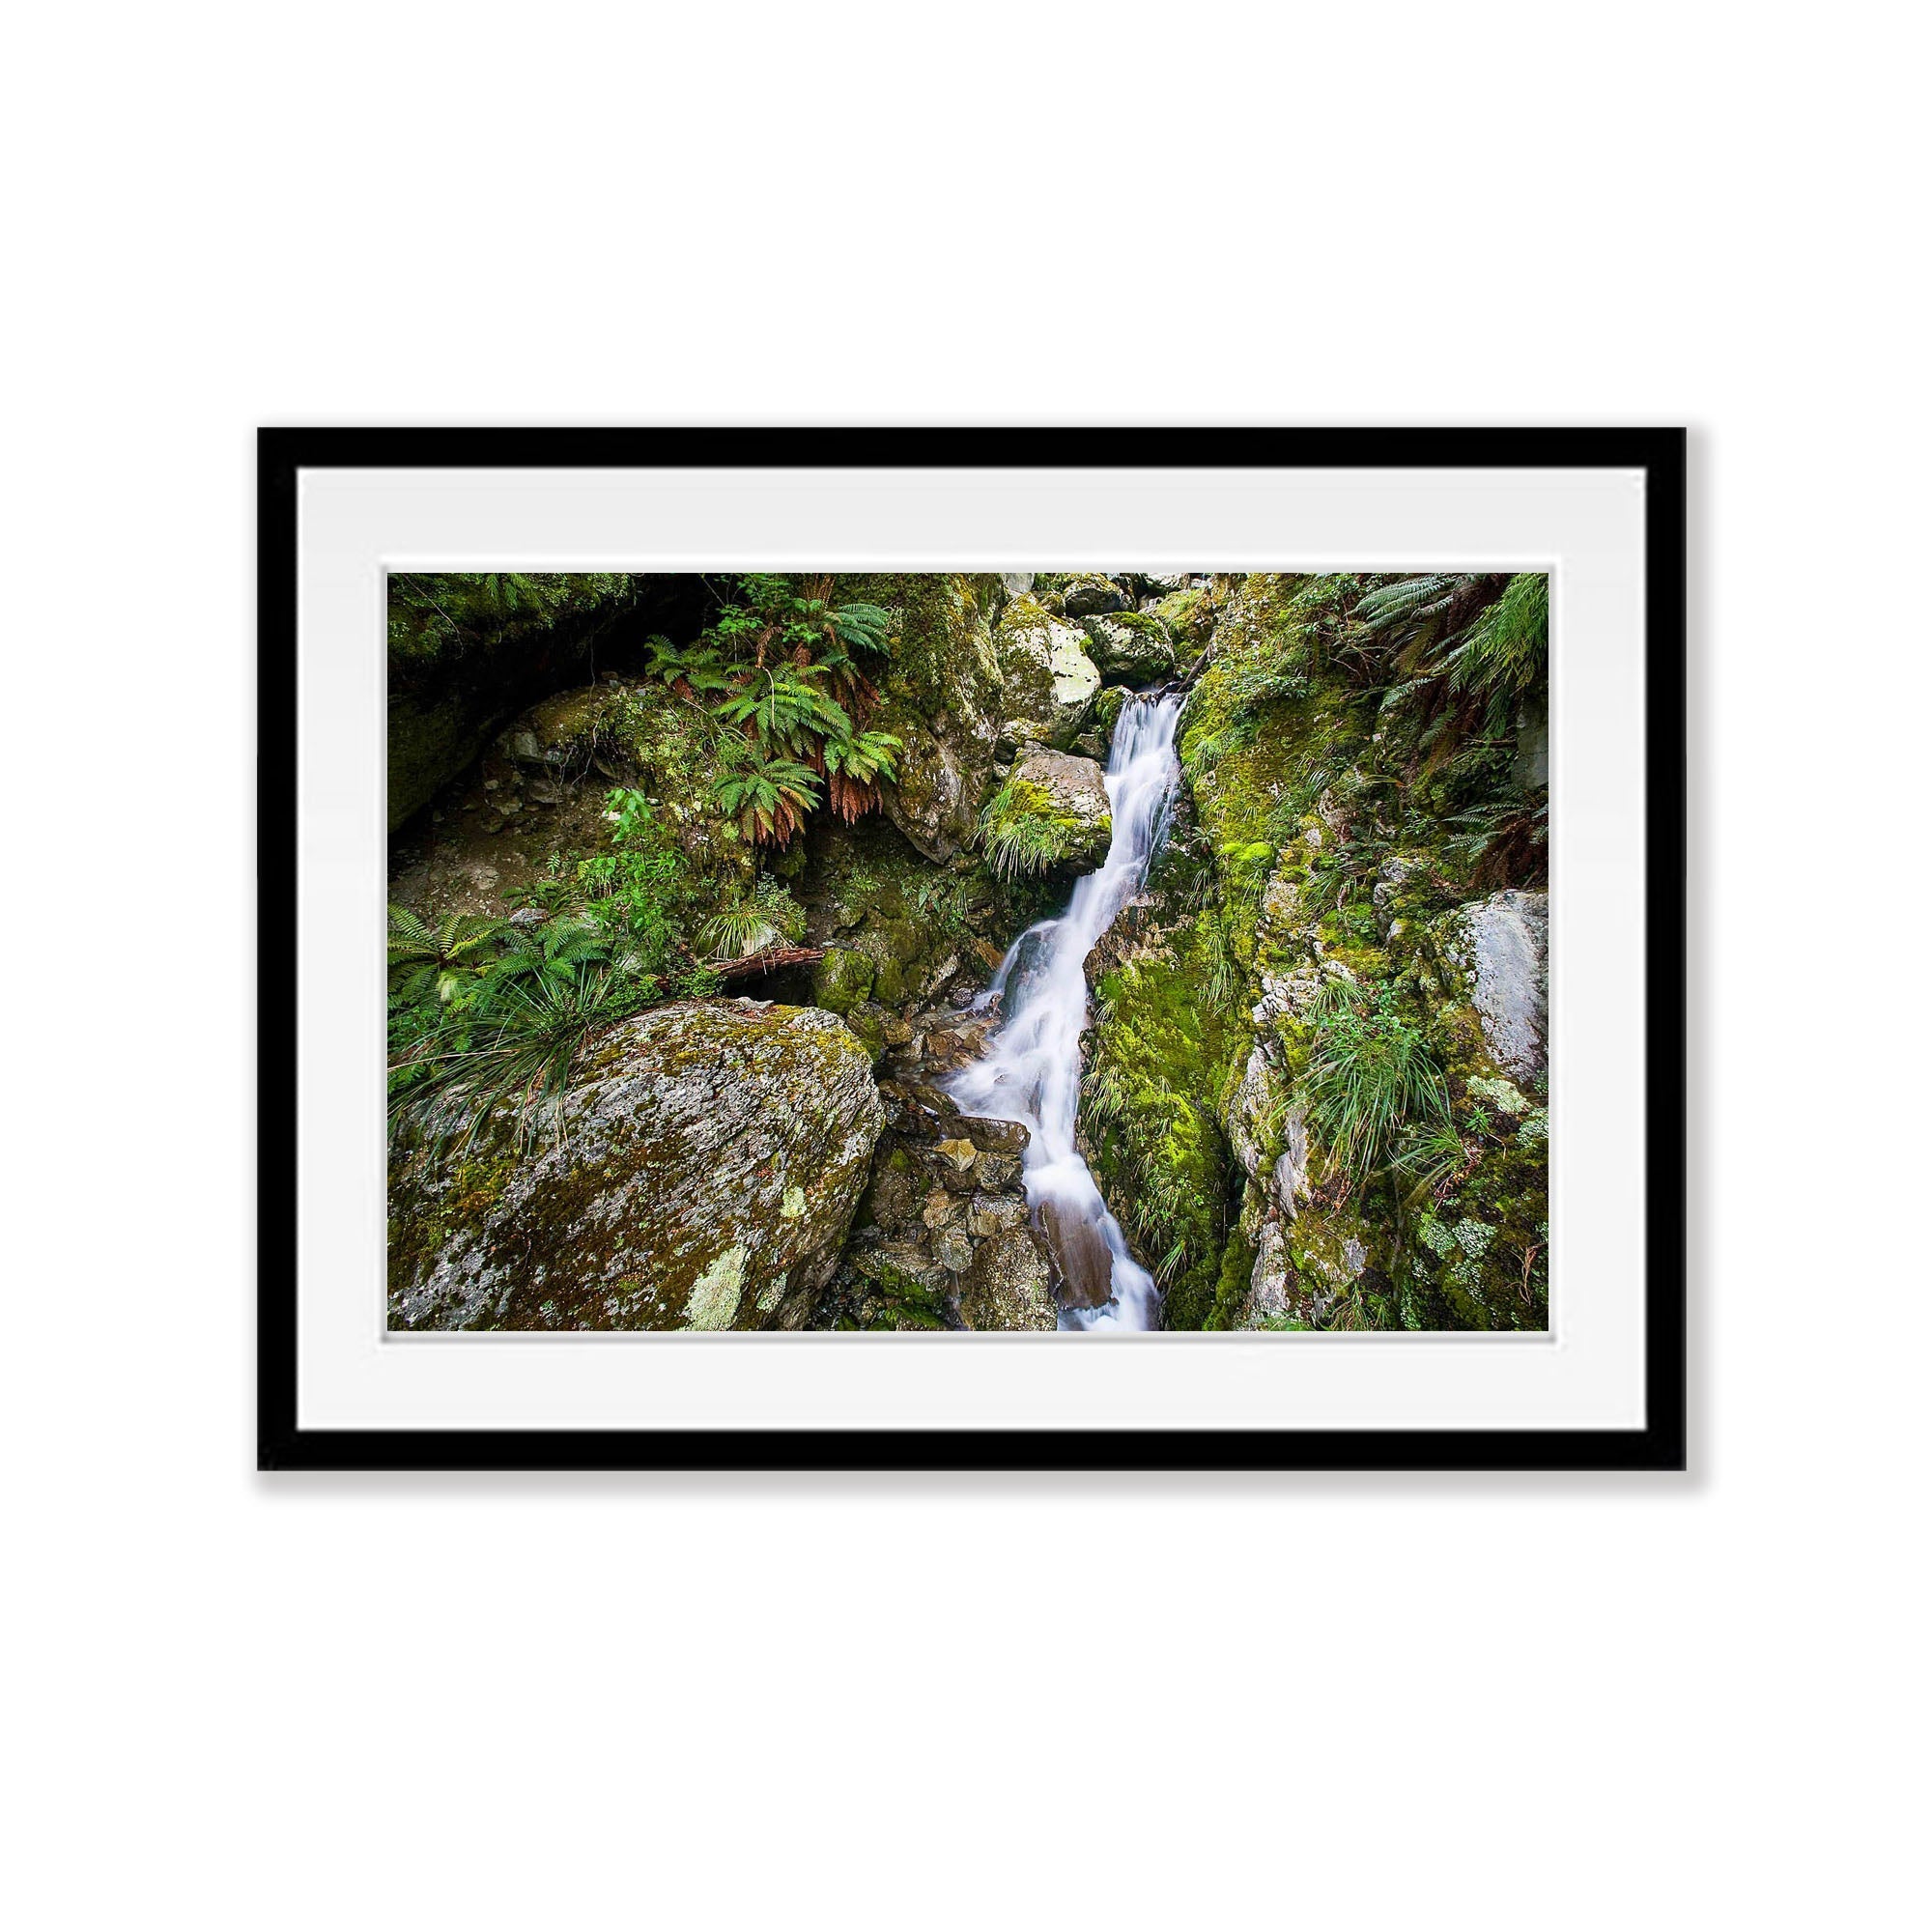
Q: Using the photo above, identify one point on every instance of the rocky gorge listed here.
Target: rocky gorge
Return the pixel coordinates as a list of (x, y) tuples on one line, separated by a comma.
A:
[(718, 902)]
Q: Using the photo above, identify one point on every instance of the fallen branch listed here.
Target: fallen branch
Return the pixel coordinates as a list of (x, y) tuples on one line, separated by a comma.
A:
[(769, 960)]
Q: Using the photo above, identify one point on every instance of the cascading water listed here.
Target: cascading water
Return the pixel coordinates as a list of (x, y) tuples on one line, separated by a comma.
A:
[(1031, 1071)]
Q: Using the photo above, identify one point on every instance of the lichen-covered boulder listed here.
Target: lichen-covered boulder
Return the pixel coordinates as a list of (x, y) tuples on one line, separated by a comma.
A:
[(1073, 792), (941, 699), (1050, 682), (1086, 595), (710, 1158), (1501, 947), (1130, 647)]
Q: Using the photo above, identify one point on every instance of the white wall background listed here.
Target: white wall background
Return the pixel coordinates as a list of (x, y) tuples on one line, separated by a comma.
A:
[(1338, 1703)]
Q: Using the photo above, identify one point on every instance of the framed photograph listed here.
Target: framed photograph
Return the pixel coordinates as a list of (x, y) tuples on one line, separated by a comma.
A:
[(971, 949)]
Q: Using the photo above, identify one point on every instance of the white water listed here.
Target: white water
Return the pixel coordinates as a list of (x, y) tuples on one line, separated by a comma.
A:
[(1031, 1071)]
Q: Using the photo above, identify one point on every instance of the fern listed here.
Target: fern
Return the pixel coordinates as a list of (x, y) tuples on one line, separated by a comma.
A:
[(439, 961), (769, 797)]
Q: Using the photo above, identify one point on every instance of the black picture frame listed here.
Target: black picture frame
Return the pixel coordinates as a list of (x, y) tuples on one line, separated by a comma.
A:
[(282, 1444)]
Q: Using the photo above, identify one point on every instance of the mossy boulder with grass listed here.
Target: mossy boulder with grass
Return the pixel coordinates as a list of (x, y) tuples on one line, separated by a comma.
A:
[(1052, 817), (702, 1174)]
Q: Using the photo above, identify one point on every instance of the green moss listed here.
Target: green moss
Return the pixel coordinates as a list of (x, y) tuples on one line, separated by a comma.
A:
[(1161, 1045)]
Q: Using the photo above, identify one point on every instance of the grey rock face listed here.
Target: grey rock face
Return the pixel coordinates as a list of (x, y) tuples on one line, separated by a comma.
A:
[(711, 1156), (1501, 946)]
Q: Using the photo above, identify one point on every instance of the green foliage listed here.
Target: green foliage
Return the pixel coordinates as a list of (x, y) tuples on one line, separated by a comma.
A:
[(1506, 650), (770, 917), (1456, 654), (783, 705), (1371, 1072), (518, 1051)]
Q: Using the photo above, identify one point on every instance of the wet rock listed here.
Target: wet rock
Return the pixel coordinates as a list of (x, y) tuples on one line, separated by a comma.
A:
[(709, 1161), (992, 1213), (940, 1208), (960, 1154), (953, 1249), (1009, 1137), (1008, 1284), (1086, 1263)]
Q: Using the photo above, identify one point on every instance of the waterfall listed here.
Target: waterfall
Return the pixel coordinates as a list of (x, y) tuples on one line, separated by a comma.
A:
[(1031, 1071)]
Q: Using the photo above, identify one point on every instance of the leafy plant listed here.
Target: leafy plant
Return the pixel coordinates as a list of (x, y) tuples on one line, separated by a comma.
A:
[(544, 952), (785, 708), (771, 917)]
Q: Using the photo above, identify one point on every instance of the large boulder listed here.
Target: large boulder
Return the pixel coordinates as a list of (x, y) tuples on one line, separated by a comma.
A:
[(941, 699), (708, 1162), (1130, 647), (1072, 792), (1050, 682), (1086, 595)]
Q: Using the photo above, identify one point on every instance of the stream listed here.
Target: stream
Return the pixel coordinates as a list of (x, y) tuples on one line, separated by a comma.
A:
[(1030, 1070)]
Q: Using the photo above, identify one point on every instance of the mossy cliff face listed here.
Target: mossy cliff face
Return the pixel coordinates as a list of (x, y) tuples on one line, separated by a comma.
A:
[(942, 699), (1329, 864), (710, 1159)]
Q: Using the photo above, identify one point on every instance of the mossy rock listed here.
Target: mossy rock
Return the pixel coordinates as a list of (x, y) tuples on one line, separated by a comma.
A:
[(1130, 647), (1049, 680), (1086, 594)]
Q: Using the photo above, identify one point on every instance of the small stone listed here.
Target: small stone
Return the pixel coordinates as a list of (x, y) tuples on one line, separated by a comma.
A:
[(960, 1153), (491, 823)]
